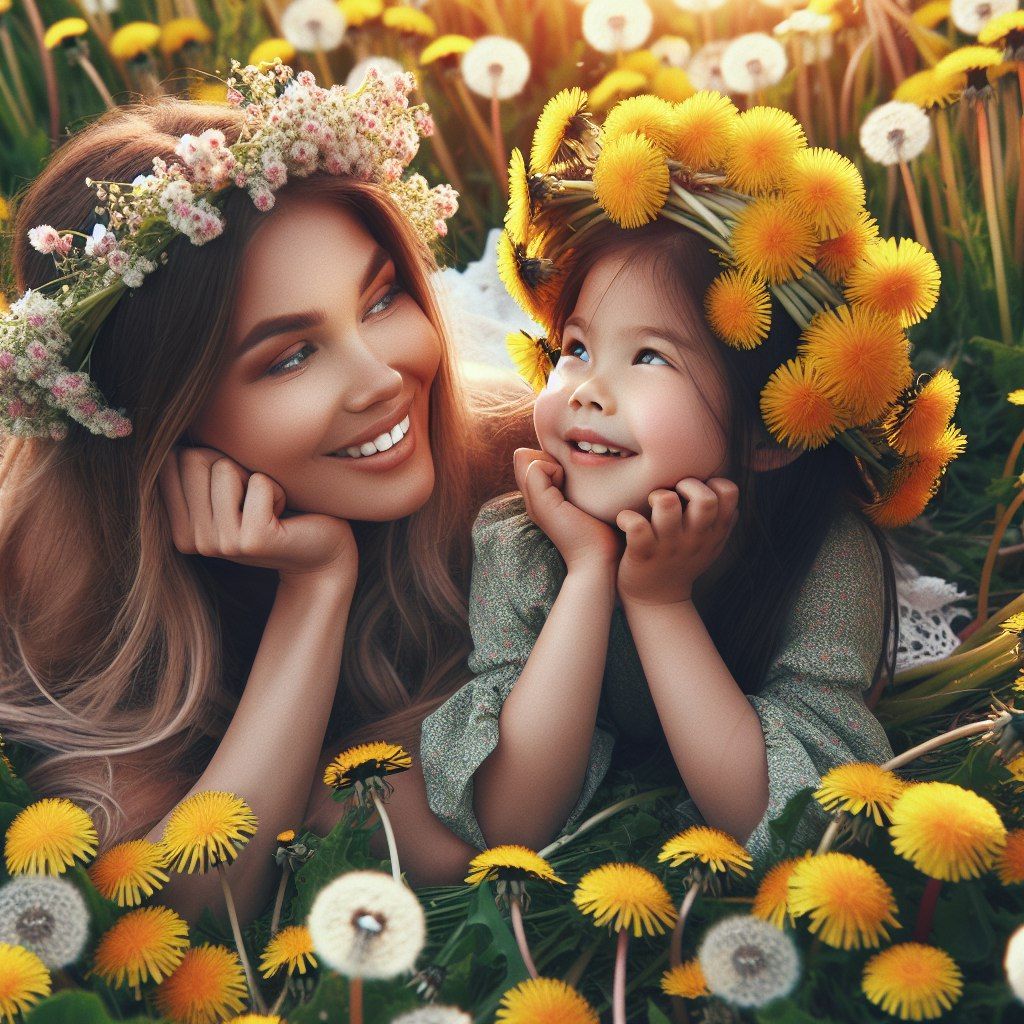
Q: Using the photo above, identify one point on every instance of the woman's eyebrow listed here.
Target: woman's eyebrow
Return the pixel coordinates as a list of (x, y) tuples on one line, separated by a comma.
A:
[(274, 325)]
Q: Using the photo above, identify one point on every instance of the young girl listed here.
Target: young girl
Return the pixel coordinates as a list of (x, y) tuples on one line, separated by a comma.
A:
[(166, 626), (668, 573)]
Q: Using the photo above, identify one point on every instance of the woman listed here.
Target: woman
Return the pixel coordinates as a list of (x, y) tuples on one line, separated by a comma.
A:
[(228, 597)]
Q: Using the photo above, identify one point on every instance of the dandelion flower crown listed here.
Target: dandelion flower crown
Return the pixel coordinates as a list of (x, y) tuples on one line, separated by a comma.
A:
[(786, 220), (46, 337)]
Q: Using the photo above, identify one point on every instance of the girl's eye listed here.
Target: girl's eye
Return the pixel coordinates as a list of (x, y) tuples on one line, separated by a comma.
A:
[(387, 298), (571, 350), (651, 352), (289, 363)]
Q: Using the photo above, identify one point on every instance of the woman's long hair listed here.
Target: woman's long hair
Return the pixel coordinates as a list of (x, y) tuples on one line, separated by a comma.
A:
[(122, 660), (784, 513)]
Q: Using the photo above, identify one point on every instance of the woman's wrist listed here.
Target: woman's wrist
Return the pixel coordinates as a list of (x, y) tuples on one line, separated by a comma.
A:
[(318, 585)]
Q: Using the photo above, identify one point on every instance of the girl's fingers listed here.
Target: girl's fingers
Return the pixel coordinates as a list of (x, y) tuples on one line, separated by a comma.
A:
[(666, 514), (640, 539), (521, 459), (728, 498), (701, 504)]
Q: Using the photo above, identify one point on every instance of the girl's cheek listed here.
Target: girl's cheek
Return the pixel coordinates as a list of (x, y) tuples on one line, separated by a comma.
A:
[(546, 415)]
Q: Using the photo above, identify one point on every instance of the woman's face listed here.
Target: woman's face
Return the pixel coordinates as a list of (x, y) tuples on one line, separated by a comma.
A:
[(327, 385), (631, 375)]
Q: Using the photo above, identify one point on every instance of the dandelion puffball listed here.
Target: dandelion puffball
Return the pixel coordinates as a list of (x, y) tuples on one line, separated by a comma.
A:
[(385, 65), (752, 62), (970, 16), (895, 132), (617, 26), (311, 25), (434, 1015), (705, 67), (365, 924), (46, 915), (1013, 962), (747, 961), (496, 66), (699, 6), (672, 51)]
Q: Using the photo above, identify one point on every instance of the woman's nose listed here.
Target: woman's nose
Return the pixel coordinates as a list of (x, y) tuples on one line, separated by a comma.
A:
[(594, 391), (369, 379)]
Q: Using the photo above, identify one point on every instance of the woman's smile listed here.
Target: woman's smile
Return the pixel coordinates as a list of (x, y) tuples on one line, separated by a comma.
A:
[(394, 455)]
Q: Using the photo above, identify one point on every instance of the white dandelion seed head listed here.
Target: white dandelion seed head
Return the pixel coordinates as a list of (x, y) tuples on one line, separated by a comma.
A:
[(46, 915), (747, 961), (617, 26), (434, 1015), (94, 7), (672, 51), (364, 924), (970, 16), (385, 65), (752, 62), (705, 67), (311, 25), (1013, 963), (895, 131), (813, 32), (699, 6), (496, 66)]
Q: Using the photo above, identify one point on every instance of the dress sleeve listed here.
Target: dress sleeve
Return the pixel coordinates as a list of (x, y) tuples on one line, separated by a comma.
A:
[(517, 573), (811, 705)]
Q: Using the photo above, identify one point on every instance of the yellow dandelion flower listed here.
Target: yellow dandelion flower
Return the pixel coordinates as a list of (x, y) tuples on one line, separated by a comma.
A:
[(291, 947), (1014, 624), (1016, 397), (948, 447), (739, 308), (359, 12), (48, 836), (946, 831), (625, 895), (615, 84), (511, 863), (998, 30), (1018, 685), (704, 129), (409, 21), (963, 61), (529, 276), (774, 238), (271, 48), (829, 188), (644, 61), (544, 1001), (771, 902), (207, 986), (64, 31), (672, 84), (710, 846), (565, 132), (797, 407), (912, 981), (631, 180), (178, 33), (927, 89), (531, 357), (446, 46), (862, 356), (763, 149), (24, 980), (848, 901), (931, 14), (646, 115), (686, 981), (206, 829), (128, 870), (256, 1018), (836, 257), (911, 486), (209, 92), (287, 836), (859, 788), (5, 209), (520, 209), (1010, 863), (144, 945), (133, 40), (898, 278), (924, 415), (362, 765)]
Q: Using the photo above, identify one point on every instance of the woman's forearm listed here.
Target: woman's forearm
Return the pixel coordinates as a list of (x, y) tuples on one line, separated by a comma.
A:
[(524, 791), (270, 750)]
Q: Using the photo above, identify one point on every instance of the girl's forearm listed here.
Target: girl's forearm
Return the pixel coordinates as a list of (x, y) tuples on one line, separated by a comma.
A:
[(712, 730), (524, 791), (270, 750)]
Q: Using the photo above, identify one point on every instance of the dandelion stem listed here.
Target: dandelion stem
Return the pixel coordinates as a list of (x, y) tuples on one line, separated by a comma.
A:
[(971, 729), (619, 981), (275, 918), (1018, 219), (926, 911), (254, 992), (846, 103), (325, 69), (675, 951), (990, 556), (93, 75), (992, 216), (49, 72), (516, 910), (355, 1000), (916, 215), (976, 635), (388, 831), (829, 837), (701, 210), (1010, 465), (498, 141), (958, 659)]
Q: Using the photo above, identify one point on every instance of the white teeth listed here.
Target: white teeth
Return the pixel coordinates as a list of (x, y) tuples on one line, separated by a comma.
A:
[(597, 449), (381, 443), (354, 453)]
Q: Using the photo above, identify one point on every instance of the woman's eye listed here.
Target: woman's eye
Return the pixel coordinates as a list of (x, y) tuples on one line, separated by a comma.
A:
[(651, 352), (386, 299), (571, 348), (289, 363)]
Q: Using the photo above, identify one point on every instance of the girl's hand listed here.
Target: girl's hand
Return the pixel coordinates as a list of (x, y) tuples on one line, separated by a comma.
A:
[(581, 539), (664, 556), (220, 509)]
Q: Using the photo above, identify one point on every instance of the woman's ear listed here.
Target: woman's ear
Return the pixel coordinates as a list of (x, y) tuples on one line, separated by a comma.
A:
[(768, 454)]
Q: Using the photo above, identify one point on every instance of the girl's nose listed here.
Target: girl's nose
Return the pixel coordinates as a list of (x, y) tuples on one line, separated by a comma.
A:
[(368, 378), (595, 392)]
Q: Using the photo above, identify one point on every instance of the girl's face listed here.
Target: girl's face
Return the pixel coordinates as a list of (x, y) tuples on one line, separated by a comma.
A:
[(633, 376), (330, 359)]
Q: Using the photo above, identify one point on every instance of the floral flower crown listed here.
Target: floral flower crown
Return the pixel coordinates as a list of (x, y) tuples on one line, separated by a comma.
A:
[(46, 337), (787, 220)]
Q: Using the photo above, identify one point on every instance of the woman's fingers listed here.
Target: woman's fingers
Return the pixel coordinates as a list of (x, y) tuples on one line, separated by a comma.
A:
[(173, 495), (227, 492)]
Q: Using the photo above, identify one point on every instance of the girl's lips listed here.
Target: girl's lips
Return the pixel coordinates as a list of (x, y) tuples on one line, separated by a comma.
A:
[(581, 458)]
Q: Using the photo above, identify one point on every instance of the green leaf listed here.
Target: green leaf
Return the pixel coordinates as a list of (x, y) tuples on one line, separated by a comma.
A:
[(1007, 360), (785, 824), (382, 1001), (654, 1015), (75, 1008), (785, 1011)]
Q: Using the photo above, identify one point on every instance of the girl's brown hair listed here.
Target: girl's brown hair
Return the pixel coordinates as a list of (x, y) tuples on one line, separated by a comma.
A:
[(118, 654), (785, 513)]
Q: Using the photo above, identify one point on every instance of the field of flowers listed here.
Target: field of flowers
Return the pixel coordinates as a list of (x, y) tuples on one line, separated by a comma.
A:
[(911, 906)]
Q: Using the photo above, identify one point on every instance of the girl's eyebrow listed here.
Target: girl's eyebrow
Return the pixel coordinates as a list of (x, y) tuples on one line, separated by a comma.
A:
[(677, 339)]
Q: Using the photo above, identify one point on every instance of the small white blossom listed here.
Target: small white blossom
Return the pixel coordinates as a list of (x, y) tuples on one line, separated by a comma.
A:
[(43, 914), (434, 1015), (752, 62), (748, 961), (617, 26), (311, 25), (364, 924), (385, 65), (895, 132), (970, 16), (1013, 963), (495, 66)]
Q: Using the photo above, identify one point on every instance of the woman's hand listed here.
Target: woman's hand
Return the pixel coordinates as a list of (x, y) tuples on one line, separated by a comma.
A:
[(218, 508), (581, 539), (666, 554)]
